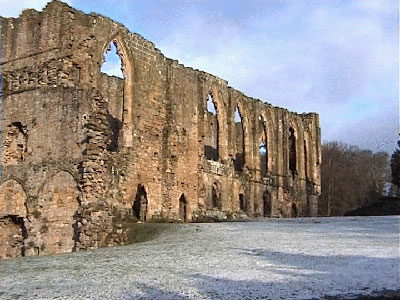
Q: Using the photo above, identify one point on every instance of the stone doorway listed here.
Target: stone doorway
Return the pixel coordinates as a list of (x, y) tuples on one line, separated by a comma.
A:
[(267, 204), (294, 210), (55, 228), (242, 204), (182, 208), (139, 207), (215, 197)]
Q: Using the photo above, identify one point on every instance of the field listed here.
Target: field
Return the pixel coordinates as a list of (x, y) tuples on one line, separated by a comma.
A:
[(305, 258)]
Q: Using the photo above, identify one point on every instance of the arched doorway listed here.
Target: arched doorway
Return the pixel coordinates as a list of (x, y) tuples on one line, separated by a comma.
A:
[(57, 211), (139, 207), (242, 203), (267, 204), (215, 197), (242, 199), (294, 210), (182, 208)]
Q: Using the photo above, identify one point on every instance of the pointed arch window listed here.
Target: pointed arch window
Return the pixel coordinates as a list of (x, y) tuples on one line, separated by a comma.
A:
[(211, 130), (239, 140), (305, 160), (263, 148), (116, 65), (292, 152), (112, 64)]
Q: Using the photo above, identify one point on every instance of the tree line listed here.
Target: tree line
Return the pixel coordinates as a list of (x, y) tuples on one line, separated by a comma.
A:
[(395, 167), (350, 178)]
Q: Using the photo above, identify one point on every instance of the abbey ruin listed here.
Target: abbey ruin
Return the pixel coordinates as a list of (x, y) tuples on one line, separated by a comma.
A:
[(81, 150)]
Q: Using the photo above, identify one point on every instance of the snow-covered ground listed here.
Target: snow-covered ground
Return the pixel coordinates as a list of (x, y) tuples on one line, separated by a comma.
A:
[(271, 259)]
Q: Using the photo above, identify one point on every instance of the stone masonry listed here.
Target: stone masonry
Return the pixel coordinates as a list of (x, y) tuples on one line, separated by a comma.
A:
[(82, 151)]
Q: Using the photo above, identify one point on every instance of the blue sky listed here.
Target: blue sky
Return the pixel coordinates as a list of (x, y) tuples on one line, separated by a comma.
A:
[(337, 58)]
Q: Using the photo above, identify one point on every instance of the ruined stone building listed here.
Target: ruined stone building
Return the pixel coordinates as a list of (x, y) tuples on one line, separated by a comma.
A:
[(82, 150)]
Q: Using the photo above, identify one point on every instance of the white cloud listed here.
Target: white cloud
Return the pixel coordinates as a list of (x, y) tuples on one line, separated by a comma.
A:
[(113, 69), (12, 8), (378, 132), (322, 57)]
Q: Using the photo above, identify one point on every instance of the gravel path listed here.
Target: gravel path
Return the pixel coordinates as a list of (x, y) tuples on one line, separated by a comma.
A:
[(269, 259)]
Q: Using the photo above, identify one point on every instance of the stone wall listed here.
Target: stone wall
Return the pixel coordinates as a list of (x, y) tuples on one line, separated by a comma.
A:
[(82, 151)]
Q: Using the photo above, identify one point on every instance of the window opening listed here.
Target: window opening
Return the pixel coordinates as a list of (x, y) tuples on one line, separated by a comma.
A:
[(292, 152), (212, 131), (263, 158), (239, 141), (305, 160), (210, 105), (112, 64), (263, 148)]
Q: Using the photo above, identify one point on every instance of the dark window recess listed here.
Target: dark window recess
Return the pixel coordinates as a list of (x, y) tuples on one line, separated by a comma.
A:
[(305, 161), (294, 210), (211, 153), (242, 203), (238, 162), (292, 152), (182, 208), (267, 204)]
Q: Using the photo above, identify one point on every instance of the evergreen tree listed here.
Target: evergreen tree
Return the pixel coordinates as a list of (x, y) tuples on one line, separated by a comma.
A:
[(395, 166)]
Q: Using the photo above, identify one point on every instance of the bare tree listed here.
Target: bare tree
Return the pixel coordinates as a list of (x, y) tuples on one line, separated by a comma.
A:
[(351, 177)]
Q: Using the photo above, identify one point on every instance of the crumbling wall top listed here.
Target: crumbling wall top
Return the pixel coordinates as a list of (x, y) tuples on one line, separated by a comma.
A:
[(60, 22)]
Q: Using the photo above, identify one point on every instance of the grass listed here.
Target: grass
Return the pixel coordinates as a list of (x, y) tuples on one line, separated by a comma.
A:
[(143, 232)]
